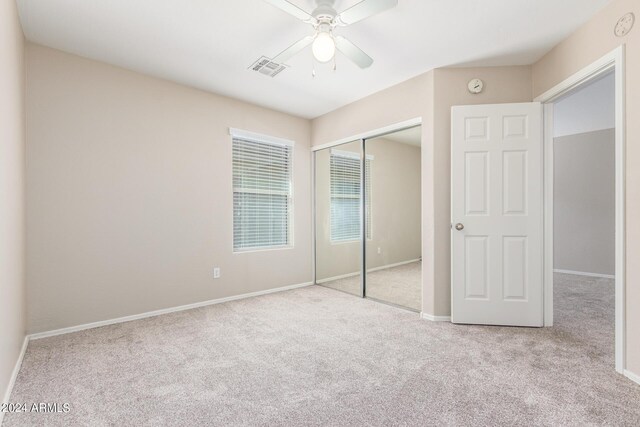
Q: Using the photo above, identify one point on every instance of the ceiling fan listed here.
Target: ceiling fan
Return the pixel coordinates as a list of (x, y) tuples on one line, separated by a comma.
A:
[(324, 19)]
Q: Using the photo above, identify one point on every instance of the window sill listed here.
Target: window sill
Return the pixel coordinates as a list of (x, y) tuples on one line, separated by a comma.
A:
[(254, 250)]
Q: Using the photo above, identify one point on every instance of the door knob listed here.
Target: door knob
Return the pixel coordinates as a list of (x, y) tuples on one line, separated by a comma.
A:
[(459, 226)]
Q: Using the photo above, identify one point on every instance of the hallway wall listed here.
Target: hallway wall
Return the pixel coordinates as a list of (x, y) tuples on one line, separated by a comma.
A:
[(584, 202)]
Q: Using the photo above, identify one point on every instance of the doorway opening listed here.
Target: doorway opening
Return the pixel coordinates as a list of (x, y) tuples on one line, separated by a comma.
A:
[(585, 221), (584, 214), (368, 217)]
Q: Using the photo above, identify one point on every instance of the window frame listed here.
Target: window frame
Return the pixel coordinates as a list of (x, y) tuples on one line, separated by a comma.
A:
[(264, 139)]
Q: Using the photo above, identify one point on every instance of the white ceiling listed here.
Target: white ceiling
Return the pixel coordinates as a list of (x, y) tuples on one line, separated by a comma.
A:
[(209, 44)]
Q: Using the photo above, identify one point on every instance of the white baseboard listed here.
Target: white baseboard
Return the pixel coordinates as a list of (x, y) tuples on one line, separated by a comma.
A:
[(433, 318), (371, 270), (633, 377), (584, 273), (14, 375), (154, 313)]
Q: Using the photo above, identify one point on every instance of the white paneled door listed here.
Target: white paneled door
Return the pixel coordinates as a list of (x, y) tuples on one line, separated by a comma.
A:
[(496, 214)]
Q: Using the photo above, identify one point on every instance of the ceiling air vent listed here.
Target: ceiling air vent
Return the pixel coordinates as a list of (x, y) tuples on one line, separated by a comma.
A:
[(267, 67)]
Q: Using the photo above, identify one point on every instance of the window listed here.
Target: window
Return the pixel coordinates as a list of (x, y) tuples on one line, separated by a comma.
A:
[(345, 196), (262, 192)]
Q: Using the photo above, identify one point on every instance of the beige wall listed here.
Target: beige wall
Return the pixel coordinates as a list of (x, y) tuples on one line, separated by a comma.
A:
[(586, 45), (431, 97), (395, 213), (129, 194), (584, 202), (12, 198)]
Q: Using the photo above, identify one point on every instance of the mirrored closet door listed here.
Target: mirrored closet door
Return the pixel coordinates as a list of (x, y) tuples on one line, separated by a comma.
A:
[(393, 218), (368, 208), (338, 218)]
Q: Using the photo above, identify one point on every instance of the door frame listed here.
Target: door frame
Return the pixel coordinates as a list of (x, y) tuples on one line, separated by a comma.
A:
[(614, 60)]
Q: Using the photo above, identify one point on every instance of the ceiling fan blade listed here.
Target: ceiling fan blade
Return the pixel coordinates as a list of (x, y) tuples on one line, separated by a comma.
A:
[(363, 10), (295, 48), (353, 52), (292, 9)]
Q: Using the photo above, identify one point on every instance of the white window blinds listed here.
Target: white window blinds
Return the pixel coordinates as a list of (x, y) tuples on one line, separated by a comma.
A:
[(262, 194), (345, 196)]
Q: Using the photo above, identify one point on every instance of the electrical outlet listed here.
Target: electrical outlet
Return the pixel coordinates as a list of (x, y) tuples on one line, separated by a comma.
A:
[(379, 250), (216, 273)]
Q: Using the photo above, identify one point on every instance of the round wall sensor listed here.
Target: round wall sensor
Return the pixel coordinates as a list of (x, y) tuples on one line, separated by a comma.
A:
[(624, 25), (475, 86)]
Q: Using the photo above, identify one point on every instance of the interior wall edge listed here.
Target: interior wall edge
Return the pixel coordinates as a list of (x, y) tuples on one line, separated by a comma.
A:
[(14, 374), (13, 304)]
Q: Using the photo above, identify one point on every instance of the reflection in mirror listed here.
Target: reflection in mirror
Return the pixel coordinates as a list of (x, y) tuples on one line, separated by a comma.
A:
[(338, 218), (394, 243)]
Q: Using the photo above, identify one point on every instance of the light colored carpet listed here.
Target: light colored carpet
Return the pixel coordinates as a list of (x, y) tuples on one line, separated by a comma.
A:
[(314, 356), (401, 285)]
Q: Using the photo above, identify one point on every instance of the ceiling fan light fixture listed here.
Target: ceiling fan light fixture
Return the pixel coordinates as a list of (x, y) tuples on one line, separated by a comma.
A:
[(324, 47), (324, 19)]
